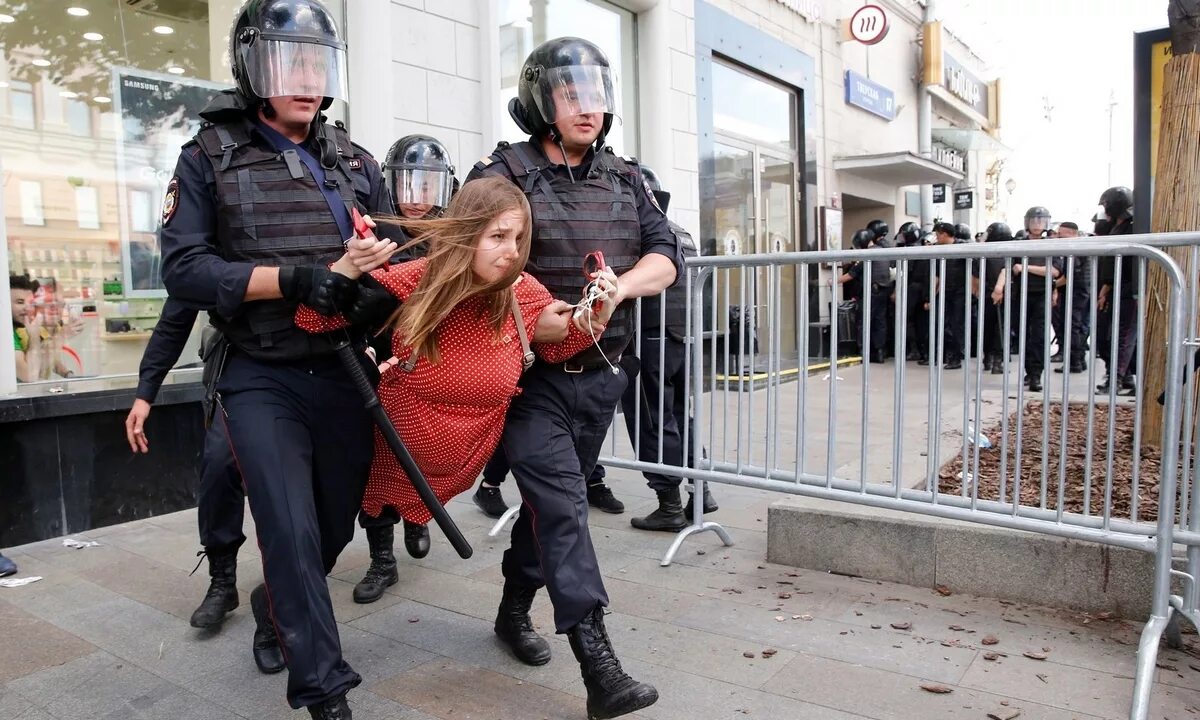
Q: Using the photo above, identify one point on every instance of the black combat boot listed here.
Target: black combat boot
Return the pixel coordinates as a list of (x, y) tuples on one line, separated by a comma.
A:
[(268, 656), (601, 497), (710, 505), (222, 596), (490, 501), (382, 573), (515, 628), (416, 539), (335, 708), (668, 517), (610, 692)]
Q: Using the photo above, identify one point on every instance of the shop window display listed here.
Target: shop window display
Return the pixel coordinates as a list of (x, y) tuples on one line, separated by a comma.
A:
[(96, 98)]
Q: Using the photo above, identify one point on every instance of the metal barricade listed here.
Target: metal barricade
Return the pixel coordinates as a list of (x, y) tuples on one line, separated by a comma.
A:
[(761, 420)]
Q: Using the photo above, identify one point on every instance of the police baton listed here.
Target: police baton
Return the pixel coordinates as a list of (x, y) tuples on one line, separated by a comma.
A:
[(349, 359)]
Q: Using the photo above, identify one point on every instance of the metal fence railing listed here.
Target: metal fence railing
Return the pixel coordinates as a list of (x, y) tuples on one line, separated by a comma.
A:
[(1065, 459)]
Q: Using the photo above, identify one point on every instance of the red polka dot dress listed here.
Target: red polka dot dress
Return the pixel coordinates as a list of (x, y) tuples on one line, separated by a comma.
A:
[(449, 414)]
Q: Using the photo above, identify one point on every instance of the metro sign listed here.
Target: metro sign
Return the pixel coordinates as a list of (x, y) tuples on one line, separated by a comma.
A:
[(869, 25)]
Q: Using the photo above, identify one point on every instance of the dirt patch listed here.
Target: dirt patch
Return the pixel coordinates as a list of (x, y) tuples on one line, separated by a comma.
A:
[(1032, 430)]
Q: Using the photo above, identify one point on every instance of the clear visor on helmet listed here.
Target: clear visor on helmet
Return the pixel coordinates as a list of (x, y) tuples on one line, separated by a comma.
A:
[(1037, 225), (564, 92), (277, 68), (417, 186)]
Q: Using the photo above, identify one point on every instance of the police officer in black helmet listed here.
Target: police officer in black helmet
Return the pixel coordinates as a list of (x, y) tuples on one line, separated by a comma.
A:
[(1116, 218), (882, 285), (663, 333), (419, 176), (1029, 278), (259, 206), (584, 198)]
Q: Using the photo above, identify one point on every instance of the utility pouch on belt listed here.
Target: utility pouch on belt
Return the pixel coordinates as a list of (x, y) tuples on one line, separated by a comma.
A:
[(214, 351)]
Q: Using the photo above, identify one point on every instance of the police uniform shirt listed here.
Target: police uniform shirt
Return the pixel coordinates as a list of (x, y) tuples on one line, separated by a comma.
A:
[(193, 267), (656, 232), (166, 345)]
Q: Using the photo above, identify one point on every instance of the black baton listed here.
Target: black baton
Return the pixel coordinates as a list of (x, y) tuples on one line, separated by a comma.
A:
[(346, 353)]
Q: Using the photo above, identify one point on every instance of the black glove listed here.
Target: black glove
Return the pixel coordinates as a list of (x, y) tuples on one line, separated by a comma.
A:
[(318, 287), (372, 305)]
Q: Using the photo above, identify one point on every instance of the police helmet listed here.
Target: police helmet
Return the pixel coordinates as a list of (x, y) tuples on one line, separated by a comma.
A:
[(861, 239), (662, 197), (962, 232), (1116, 201), (562, 78), (908, 235), (418, 171), (998, 232), (288, 47), (1037, 220), (879, 228)]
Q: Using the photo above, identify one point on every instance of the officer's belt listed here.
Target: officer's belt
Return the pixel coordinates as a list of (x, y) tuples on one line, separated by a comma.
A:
[(579, 368)]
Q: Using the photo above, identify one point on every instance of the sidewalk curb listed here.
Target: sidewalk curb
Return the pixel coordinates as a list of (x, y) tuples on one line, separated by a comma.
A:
[(976, 559)]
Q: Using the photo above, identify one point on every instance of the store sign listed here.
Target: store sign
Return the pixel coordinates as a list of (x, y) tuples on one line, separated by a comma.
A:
[(950, 157), (865, 94), (964, 200), (939, 193), (810, 10), (964, 85)]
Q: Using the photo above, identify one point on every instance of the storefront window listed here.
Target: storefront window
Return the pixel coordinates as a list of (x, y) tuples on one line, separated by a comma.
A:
[(525, 24), (96, 98)]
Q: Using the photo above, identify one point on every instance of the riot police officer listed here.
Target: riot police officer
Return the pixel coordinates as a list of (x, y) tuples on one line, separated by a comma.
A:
[(259, 205), (419, 176), (1116, 218), (995, 342), (1029, 277), (640, 403), (584, 198), (914, 275), (852, 284), (220, 500), (882, 285), (949, 282)]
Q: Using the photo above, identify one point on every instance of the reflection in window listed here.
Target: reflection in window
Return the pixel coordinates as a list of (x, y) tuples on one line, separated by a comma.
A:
[(79, 118), (749, 106), (20, 105), (87, 210), (141, 211), (79, 224), (31, 203), (524, 25)]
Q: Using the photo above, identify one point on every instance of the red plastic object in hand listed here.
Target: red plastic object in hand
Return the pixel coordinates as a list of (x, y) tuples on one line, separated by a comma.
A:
[(361, 228)]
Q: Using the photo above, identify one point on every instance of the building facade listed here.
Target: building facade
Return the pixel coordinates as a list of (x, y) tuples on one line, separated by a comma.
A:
[(774, 130)]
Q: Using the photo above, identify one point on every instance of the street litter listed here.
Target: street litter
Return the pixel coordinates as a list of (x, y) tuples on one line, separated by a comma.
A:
[(18, 582), (79, 544)]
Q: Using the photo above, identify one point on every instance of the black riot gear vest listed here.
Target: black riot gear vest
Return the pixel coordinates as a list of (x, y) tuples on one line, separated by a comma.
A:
[(676, 296), (270, 211), (598, 211)]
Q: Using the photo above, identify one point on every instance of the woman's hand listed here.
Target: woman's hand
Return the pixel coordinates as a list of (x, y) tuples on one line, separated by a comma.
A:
[(997, 294), (593, 320)]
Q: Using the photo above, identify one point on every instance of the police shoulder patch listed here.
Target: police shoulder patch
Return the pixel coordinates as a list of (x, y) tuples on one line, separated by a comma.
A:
[(171, 201), (356, 163), (650, 194)]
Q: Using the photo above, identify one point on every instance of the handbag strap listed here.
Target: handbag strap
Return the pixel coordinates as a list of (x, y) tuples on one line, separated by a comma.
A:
[(527, 356)]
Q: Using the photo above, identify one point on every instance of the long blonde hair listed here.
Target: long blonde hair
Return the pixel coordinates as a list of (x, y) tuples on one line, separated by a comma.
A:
[(448, 278)]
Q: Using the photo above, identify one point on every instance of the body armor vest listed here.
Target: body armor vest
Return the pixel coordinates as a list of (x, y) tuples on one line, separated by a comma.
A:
[(571, 219), (270, 211), (676, 296)]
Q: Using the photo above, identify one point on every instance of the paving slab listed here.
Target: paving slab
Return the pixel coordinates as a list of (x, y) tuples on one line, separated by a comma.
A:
[(105, 634)]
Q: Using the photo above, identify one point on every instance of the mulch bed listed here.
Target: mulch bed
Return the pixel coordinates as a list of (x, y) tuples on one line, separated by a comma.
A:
[(1076, 452)]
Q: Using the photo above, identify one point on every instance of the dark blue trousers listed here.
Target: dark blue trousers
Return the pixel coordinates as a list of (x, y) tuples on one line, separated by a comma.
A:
[(552, 437), (220, 507), (302, 442)]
